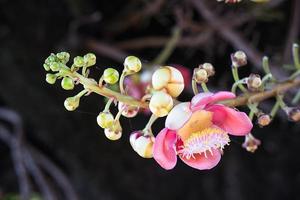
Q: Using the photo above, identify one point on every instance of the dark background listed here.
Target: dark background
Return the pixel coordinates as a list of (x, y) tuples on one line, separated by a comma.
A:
[(100, 169)]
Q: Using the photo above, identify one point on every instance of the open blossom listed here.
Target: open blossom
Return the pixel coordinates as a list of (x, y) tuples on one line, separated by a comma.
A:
[(197, 131)]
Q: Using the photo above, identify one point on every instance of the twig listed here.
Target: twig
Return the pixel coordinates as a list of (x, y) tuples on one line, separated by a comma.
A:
[(28, 159), (55, 173), (38, 176), (261, 96), (16, 150), (293, 30), (227, 33), (135, 17)]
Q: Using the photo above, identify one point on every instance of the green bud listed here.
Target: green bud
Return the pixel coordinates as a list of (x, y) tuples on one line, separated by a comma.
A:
[(63, 56), (114, 132), (111, 76), (67, 83), (79, 61), (50, 59), (105, 120), (132, 64), (46, 66), (71, 103), (55, 66), (51, 78), (89, 59)]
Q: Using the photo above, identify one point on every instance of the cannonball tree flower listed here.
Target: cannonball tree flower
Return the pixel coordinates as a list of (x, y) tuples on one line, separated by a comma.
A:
[(197, 131)]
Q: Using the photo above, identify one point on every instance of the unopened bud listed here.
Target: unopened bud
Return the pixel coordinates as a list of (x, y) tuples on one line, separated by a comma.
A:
[(110, 75), (89, 59), (160, 104), (105, 119), (142, 144), (168, 79), (132, 64), (50, 59), (128, 110), (209, 68), (264, 120), (63, 56), (55, 66), (51, 78), (71, 103), (79, 61), (114, 132), (200, 75), (251, 143), (254, 82), (46, 66), (238, 59), (67, 83), (293, 113)]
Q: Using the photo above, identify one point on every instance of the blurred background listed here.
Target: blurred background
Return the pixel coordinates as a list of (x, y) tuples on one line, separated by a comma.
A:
[(58, 154)]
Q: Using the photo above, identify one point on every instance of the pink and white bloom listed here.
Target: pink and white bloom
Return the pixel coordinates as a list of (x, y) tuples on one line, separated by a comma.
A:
[(197, 131)]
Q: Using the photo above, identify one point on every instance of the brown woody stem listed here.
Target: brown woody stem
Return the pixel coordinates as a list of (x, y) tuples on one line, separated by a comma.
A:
[(256, 97)]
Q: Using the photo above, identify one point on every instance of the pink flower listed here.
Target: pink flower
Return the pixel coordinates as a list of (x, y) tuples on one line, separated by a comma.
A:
[(197, 131)]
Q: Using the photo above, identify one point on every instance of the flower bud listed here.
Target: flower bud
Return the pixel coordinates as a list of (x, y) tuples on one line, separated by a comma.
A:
[(160, 104), (89, 59), (71, 103), (251, 143), (254, 82), (54, 66), (238, 59), (132, 64), (168, 79), (79, 61), (67, 83), (110, 75), (46, 66), (293, 113), (209, 68), (63, 56), (50, 59), (133, 136), (105, 119), (114, 132), (264, 120), (51, 78), (200, 75), (128, 110), (142, 144)]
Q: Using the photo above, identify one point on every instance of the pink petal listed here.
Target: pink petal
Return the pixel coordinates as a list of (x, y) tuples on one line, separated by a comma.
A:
[(201, 162), (234, 122), (201, 100), (178, 116), (164, 149)]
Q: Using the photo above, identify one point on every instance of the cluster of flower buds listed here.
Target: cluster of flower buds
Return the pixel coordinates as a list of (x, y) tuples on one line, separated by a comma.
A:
[(167, 83), (203, 72)]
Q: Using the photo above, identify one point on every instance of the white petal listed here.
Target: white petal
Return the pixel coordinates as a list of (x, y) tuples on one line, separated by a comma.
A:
[(200, 96), (178, 116)]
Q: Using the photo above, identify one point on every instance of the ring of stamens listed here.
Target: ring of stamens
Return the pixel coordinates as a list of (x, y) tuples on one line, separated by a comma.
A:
[(203, 141)]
